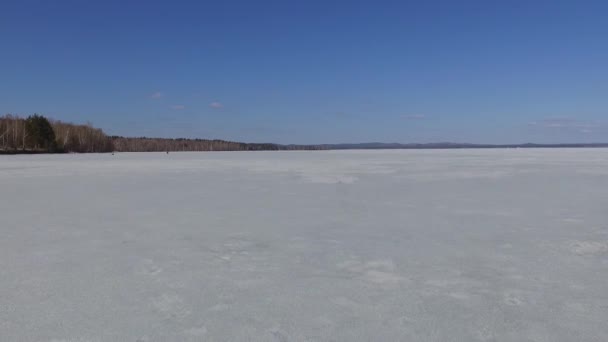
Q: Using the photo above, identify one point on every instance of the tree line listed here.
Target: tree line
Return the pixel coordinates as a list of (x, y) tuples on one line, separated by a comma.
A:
[(37, 134), (144, 144)]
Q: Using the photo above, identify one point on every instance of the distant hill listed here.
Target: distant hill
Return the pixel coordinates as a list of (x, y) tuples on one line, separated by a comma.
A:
[(448, 145)]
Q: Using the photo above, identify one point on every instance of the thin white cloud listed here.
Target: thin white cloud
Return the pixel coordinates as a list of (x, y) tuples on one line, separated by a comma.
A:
[(570, 124), (178, 107), (413, 116), (566, 123), (216, 105), (156, 95)]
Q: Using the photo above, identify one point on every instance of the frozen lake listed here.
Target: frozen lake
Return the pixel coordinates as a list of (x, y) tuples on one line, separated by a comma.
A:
[(435, 245)]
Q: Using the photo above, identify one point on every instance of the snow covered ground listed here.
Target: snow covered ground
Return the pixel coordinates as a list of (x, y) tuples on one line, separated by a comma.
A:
[(443, 245)]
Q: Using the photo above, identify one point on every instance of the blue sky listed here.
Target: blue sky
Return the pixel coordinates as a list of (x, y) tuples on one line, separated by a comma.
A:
[(312, 71)]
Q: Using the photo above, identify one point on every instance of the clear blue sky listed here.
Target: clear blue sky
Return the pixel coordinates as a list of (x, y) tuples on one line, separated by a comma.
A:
[(312, 71)]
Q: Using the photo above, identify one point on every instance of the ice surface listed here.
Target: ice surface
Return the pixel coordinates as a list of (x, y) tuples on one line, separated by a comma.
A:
[(442, 245)]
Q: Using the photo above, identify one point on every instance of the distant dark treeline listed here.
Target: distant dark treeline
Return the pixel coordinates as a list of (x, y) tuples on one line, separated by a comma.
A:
[(448, 145), (144, 144), (37, 134)]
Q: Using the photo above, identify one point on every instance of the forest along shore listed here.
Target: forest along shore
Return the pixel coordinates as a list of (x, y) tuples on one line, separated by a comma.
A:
[(37, 134)]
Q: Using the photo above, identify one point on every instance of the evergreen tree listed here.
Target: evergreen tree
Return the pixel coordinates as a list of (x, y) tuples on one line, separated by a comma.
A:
[(40, 134)]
